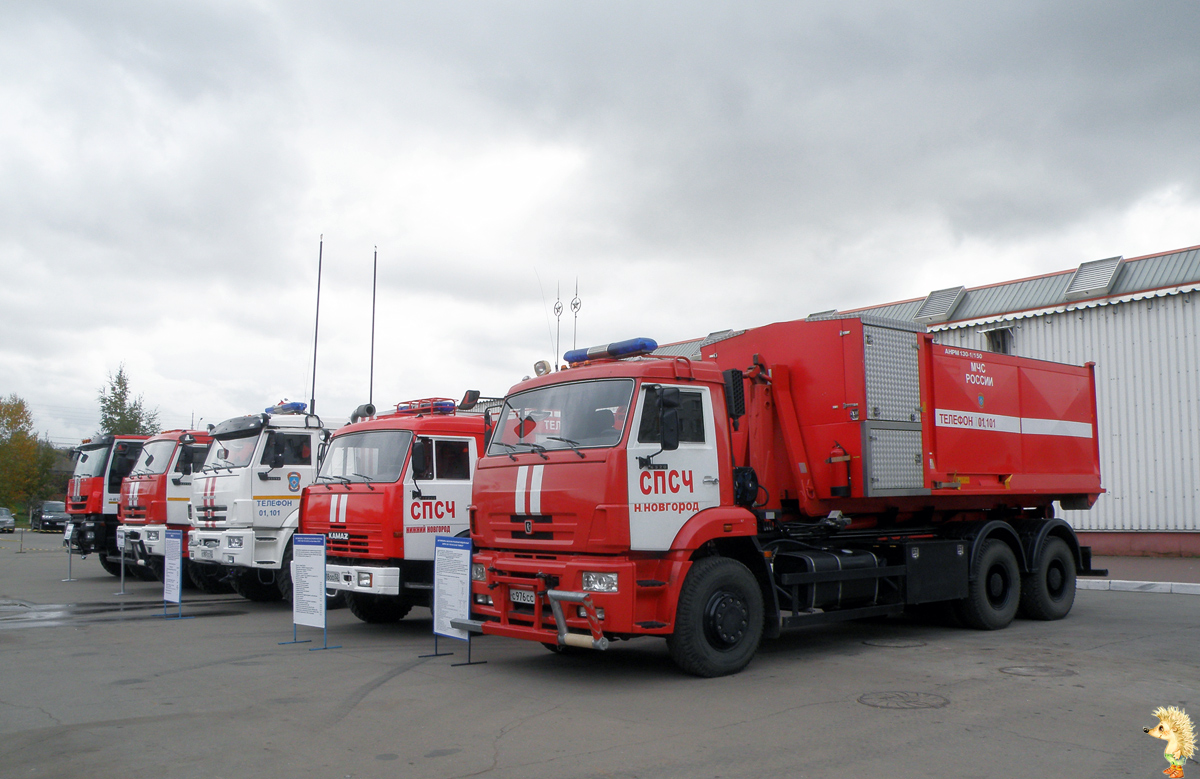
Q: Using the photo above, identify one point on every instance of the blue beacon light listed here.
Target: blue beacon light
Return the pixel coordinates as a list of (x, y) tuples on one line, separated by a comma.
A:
[(295, 407), (631, 348)]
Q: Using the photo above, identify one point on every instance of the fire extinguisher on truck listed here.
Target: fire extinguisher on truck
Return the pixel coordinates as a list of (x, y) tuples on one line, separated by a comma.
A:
[(835, 469)]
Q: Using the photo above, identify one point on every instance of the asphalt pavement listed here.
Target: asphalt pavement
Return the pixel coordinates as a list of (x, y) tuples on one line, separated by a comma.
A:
[(97, 684)]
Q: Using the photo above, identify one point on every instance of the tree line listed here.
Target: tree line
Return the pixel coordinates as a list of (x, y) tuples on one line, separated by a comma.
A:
[(27, 462)]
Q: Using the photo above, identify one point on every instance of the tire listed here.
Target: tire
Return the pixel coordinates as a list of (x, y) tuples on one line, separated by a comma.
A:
[(246, 582), (111, 567), (377, 609), (563, 650), (719, 619), (158, 567), (209, 578), (994, 596), (283, 577), (141, 572), (1050, 593), (334, 600)]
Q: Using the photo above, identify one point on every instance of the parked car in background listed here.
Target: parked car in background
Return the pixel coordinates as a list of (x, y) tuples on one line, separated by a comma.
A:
[(7, 523), (52, 516)]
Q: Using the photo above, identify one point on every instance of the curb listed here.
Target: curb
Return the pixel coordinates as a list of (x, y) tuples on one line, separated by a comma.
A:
[(1119, 585)]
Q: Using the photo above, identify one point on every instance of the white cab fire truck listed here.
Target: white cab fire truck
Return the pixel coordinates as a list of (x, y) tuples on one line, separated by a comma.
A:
[(246, 498), (388, 486)]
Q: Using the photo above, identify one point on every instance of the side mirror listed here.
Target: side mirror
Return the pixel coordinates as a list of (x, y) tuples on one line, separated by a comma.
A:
[(668, 397), (122, 448), (469, 400), (187, 439), (670, 429), (420, 457), (277, 459)]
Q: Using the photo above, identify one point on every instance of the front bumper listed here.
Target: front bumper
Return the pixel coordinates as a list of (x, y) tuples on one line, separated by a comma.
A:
[(551, 606), (354, 578), (240, 547)]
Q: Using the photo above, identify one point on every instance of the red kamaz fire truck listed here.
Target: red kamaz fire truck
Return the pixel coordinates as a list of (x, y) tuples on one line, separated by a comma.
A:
[(94, 493), (388, 486), (796, 474), (155, 497)]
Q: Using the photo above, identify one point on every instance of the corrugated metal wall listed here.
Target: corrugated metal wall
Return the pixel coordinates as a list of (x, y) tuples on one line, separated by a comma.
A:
[(1147, 355)]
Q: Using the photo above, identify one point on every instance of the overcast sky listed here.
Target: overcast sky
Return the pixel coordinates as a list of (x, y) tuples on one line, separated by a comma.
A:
[(167, 170)]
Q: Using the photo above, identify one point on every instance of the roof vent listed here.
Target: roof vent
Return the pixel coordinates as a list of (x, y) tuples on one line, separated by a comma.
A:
[(939, 305), (821, 315), (1094, 278)]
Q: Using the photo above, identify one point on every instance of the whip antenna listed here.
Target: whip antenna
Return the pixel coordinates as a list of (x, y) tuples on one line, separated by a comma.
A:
[(558, 309), (576, 304), (374, 280), (312, 401)]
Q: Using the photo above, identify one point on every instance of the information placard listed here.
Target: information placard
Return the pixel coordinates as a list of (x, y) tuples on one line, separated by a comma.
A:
[(308, 580), (67, 530), (451, 584), (173, 567), (121, 540)]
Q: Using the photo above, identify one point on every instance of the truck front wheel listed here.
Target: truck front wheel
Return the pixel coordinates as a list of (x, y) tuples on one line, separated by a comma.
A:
[(112, 567), (377, 609), (247, 584), (1050, 593), (993, 597), (719, 619), (208, 577)]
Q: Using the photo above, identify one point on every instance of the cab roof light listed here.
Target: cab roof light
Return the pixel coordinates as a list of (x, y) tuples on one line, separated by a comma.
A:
[(614, 351), (426, 406), (284, 407)]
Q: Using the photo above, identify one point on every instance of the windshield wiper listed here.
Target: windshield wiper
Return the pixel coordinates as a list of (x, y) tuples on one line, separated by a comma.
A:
[(367, 479), (509, 447), (341, 479), (573, 444), (535, 447)]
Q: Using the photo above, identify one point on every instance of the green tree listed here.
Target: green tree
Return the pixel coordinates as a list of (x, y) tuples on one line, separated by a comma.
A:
[(26, 463), (121, 415)]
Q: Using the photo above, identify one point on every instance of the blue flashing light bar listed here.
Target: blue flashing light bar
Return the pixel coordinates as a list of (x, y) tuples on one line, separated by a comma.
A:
[(295, 407), (631, 348), (427, 406)]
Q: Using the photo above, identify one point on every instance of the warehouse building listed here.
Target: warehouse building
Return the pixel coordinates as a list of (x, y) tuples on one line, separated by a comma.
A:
[(1138, 320)]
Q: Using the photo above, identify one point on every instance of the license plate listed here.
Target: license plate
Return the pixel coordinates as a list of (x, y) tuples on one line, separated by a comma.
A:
[(527, 597), (331, 576), (206, 554)]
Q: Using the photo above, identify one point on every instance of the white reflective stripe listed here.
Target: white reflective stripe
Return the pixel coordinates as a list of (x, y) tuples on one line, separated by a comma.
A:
[(1056, 427), (971, 420), (535, 490), (522, 476), (342, 509), (996, 423)]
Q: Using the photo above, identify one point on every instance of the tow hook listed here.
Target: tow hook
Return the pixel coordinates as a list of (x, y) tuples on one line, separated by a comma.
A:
[(596, 640)]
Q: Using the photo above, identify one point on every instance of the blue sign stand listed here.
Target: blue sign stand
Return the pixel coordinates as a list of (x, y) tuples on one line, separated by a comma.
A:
[(172, 573), (308, 588)]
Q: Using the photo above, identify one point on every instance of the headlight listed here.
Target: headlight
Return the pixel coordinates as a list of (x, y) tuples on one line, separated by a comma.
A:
[(89, 535), (478, 572), (151, 535), (229, 559), (599, 582), (189, 512), (583, 613), (364, 578), (235, 542), (483, 599)]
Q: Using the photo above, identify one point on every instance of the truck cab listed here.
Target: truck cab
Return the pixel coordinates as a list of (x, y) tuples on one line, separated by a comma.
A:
[(94, 495), (388, 486), (245, 502), (157, 493)]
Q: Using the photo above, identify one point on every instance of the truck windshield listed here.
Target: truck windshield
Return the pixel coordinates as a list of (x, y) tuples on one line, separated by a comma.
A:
[(91, 462), (231, 452), (373, 456), (581, 414), (155, 458)]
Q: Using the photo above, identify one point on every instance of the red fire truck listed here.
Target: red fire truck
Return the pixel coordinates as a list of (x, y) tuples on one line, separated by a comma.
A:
[(388, 486), (796, 474), (95, 492), (155, 497)]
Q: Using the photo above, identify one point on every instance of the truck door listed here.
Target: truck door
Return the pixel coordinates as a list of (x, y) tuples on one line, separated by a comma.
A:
[(288, 457), (437, 491), (188, 459), (667, 488)]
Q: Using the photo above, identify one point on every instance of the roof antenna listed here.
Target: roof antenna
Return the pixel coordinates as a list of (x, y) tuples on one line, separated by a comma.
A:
[(374, 280), (576, 304), (558, 309), (312, 401)]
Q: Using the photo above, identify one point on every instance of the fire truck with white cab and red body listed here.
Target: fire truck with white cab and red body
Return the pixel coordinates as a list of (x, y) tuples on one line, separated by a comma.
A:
[(795, 474), (95, 493), (156, 494), (388, 486), (246, 499)]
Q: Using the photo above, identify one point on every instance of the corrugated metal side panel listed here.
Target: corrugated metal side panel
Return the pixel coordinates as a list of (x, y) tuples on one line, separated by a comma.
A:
[(1147, 356)]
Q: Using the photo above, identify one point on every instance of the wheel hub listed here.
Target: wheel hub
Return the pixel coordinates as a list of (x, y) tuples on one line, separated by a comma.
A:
[(726, 619)]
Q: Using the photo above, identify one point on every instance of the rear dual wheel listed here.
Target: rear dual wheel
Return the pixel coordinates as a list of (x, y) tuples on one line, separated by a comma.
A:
[(993, 597), (1049, 593)]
